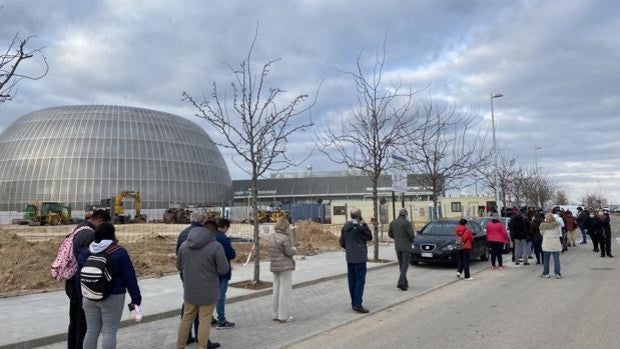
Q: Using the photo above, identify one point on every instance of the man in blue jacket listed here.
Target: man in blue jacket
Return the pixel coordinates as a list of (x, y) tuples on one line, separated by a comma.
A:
[(353, 238), (223, 225)]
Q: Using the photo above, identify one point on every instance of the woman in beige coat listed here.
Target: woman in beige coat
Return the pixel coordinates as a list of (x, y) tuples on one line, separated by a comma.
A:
[(282, 264)]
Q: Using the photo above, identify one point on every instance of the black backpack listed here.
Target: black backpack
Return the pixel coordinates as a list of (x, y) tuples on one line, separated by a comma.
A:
[(96, 276)]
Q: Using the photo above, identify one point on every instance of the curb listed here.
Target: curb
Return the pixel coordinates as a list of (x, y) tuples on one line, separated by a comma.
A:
[(385, 307), (55, 338)]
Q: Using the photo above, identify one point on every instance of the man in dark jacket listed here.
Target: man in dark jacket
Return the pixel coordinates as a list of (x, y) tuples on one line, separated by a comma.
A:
[(594, 226), (605, 237), (582, 217), (402, 232), (518, 229), (223, 225), (197, 218), (81, 240), (353, 238), (201, 260)]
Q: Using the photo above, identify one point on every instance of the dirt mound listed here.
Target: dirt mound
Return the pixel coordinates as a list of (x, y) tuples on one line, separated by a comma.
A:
[(26, 265), (312, 239), (153, 255)]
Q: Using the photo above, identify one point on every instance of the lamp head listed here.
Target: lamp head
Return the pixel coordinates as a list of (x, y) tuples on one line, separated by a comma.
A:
[(497, 95)]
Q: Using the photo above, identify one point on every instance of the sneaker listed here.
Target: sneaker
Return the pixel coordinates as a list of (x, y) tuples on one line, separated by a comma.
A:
[(359, 309), (493, 268), (224, 325), (468, 279), (526, 263), (545, 276), (558, 276), (459, 275), (290, 318), (213, 345), (502, 268), (213, 322)]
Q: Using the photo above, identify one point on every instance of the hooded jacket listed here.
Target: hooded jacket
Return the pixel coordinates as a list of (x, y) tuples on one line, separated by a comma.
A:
[(466, 235), (202, 261), (353, 238), (281, 252), (551, 232)]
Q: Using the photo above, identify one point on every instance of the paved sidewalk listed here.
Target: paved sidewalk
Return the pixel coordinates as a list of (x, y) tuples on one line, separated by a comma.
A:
[(162, 298), (316, 308)]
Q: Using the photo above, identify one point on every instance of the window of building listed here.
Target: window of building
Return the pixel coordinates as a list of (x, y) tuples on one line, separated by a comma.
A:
[(340, 210), (456, 207)]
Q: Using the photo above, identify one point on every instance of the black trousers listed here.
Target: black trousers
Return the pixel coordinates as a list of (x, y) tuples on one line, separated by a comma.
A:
[(77, 319), (463, 256), (594, 236), (604, 241)]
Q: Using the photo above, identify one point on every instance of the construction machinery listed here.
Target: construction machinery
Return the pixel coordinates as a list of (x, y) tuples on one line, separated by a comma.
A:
[(46, 213), (177, 215), (120, 217)]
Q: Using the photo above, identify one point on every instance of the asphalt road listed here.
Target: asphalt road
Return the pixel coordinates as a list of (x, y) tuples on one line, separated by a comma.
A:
[(511, 309)]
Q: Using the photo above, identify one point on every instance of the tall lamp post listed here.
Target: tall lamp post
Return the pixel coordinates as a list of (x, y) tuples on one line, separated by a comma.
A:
[(497, 202), (536, 149)]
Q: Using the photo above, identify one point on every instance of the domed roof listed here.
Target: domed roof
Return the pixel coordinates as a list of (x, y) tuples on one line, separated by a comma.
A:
[(82, 154)]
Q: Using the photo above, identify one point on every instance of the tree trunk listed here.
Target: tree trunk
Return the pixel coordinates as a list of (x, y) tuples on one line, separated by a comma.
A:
[(375, 201), (254, 189)]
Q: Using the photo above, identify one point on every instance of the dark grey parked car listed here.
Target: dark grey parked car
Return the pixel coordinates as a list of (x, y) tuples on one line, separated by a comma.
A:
[(435, 242)]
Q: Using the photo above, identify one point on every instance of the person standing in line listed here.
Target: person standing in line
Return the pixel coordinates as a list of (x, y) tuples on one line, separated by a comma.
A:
[(201, 260), (353, 238), (582, 217), (571, 228), (594, 226), (518, 229), (551, 245), (223, 225), (402, 232), (463, 254), (497, 237), (537, 237), (605, 238), (558, 215), (104, 316), (282, 264), (85, 234)]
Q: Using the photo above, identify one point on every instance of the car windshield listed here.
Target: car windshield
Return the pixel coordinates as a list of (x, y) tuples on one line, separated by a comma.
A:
[(439, 228)]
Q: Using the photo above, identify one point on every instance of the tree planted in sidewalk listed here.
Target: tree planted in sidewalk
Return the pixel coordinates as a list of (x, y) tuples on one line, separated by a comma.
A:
[(375, 127), (257, 125)]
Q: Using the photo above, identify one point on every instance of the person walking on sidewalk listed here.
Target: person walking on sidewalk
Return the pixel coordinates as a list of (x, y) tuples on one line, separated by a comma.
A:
[(605, 237), (85, 234), (104, 316), (497, 237), (282, 264), (571, 228), (402, 232), (582, 217), (223, 225), (464, 240), (202, 261), (518, 229), (353, 238), (551, 245)]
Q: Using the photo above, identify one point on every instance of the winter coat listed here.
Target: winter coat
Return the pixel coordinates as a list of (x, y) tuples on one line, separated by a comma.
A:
[(281, 252), (353, 238), (606, 225), (535, 228), (466, 236), (121, 268), (551, 233), (202, 261), (228, 249), (571, 223), (518, 227), (496, 232), (402, 232), (594, 225), (582, 217)]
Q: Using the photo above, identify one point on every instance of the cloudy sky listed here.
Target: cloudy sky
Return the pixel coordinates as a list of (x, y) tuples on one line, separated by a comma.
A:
[(556, 62)]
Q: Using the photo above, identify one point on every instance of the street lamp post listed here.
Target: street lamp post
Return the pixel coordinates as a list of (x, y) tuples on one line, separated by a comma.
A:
[(497, 202), (536, 149)]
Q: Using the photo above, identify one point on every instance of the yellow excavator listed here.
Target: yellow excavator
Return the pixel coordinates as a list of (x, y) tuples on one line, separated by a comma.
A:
[(119, 212)]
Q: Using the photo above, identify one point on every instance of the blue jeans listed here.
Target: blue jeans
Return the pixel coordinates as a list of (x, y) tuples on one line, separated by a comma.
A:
[(221, 315), (357, 278), (583, 233), (538, 250), (556, 262)]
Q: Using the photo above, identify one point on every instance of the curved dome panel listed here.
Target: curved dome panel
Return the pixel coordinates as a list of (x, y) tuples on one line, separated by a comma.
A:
[(82, 154)]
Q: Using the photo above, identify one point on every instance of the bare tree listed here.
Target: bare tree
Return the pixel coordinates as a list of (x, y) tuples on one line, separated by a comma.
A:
[(594, 200), (12, 61), (507, 176), (538, 188), (446, 150), (376, 127), (257, 129), (560, 198)]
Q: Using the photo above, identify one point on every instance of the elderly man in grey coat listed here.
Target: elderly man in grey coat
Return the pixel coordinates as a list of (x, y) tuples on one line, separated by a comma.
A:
[(202, 260), (402, 233)]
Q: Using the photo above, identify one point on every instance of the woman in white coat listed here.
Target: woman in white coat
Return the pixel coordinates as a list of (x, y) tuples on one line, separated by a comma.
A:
[(551, 245)]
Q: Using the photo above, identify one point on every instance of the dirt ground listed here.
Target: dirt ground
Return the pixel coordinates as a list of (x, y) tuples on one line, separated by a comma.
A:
[(25, 265)]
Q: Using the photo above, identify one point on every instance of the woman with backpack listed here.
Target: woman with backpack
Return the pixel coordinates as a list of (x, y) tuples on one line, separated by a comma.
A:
[(104, 298), (463, 244)]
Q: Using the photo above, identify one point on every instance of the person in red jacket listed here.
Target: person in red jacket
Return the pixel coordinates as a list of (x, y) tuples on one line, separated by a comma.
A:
[(463, 251), (497, 236)]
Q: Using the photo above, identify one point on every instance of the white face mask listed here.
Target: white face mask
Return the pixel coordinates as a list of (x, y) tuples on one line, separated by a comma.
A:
[(592, 215)]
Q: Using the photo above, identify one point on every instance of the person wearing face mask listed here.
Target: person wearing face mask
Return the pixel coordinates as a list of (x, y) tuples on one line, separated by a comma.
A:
[(605, 236), (593, 225)]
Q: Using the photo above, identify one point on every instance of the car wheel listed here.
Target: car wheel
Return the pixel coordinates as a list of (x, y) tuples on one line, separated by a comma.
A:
[(485, 255)]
